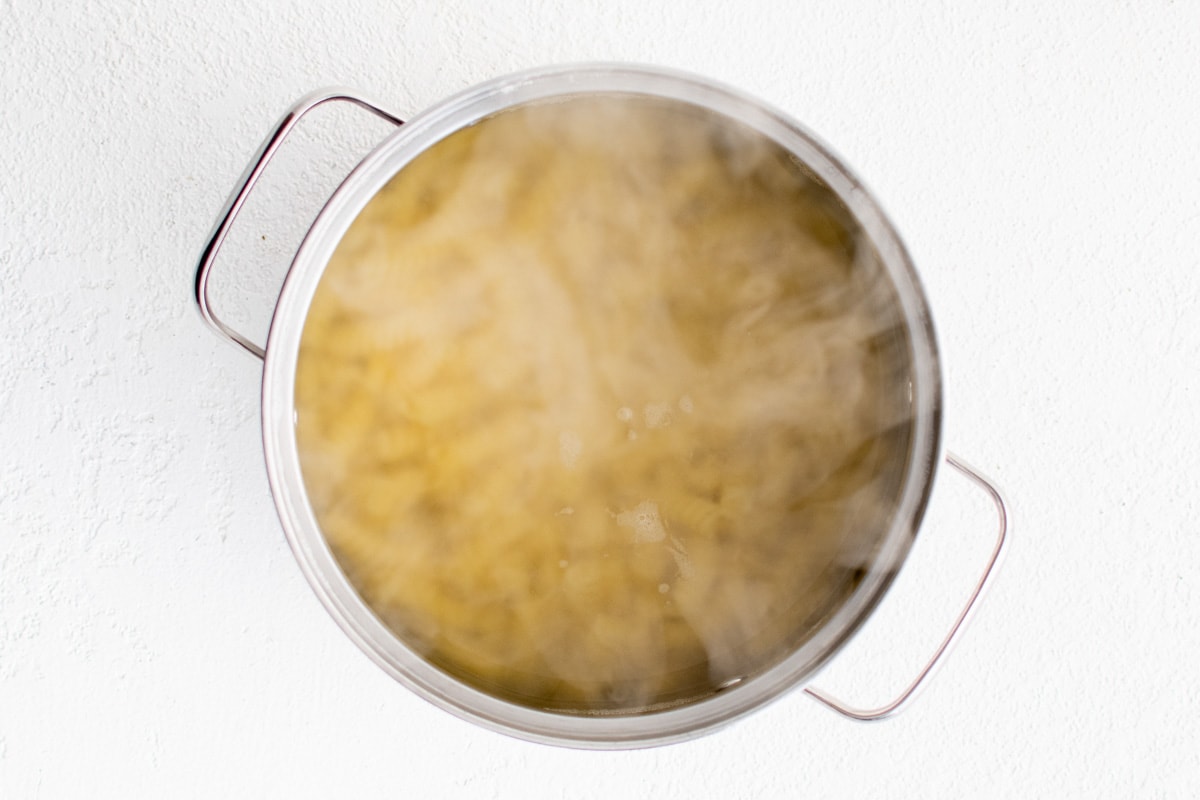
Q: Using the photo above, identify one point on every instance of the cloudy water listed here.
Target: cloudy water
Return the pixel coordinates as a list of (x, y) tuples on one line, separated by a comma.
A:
[(603, 403)]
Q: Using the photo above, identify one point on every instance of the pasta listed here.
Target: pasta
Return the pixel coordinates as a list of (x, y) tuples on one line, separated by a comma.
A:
[(603, 403)]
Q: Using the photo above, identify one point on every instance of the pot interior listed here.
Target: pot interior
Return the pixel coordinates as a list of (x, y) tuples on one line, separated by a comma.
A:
[(602, 404)]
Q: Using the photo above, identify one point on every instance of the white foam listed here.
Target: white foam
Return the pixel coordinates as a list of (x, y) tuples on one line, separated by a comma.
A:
[(644, 520)]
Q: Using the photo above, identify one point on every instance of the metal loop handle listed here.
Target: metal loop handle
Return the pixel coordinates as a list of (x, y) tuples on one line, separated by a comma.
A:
[(908, 693), (238, 197)]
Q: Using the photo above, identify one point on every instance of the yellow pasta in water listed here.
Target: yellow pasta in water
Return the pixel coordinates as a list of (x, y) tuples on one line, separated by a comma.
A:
[(602, 403), (694, 515)]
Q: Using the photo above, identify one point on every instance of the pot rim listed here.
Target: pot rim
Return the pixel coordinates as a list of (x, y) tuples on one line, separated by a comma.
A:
[(300, 524)]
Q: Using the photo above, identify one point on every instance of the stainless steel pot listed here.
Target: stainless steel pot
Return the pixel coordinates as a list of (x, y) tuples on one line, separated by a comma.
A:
[(279, 372)]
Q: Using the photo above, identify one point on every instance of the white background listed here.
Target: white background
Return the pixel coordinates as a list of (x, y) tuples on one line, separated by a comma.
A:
[(1041, 161)]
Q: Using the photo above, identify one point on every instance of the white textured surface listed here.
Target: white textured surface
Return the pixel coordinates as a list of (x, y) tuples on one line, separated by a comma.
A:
[(1040, 159)]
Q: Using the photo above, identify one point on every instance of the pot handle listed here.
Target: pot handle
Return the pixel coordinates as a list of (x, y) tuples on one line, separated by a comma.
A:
[(238, 197), (867, 715)]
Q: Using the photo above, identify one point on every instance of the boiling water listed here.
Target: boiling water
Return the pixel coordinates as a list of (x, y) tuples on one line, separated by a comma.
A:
[(603, 403)]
